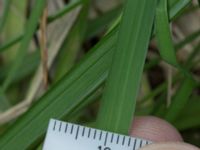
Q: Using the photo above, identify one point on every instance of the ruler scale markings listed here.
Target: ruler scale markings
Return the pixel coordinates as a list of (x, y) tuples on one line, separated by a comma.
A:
[(134, 145), (100, 135), (106, 139), (140, 143), (117, 138), (144, 143), (54, 127), (72, 128), (66, 126), (95, 132), (123, 141), (112, 138), (129, 141), (60, 126), (89, 131), (87, 138), (77, 131), (83, 133)]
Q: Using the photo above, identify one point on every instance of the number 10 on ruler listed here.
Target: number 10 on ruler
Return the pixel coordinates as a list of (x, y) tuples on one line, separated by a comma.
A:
[(68, 136)]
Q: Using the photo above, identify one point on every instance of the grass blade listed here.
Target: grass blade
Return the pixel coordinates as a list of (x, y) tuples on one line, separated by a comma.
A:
[(10, 43), (120, 95), (188, 39), (28, 130), (177, 6), (163, 34), (33, 59), (164, 40), (72, 44), (29, 31), (63, 98), (5, 14), (73, 4), (51, 18), (167, 52), (100, 23), (180, 100), (185, 121), (4, 103)]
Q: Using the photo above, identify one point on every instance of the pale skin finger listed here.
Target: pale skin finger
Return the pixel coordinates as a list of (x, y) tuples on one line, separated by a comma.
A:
[(170, 146), (154, 129), (163, 134)]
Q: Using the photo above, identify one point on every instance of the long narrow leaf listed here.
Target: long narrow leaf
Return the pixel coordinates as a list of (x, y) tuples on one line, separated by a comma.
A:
[(177, 4), (72, 43), (180, 100), (163, 34), (50, 19), (29, 31), (185, 121), (33, 59), (5, 14), (61, 100), (168, 53), (98, 24), (10, 43), (29, 129), (188, 39), (120, 95), (65, 10)]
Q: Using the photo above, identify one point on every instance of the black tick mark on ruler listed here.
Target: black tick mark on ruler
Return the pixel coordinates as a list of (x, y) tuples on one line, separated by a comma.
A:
[(72, 128), (100, 135), (134, 144), (117, 139), (95, 132), (106, 139), (112, 137), (60, 126), (129, 141), (83, 133), (54, 127), (123, 140), (77, 131), (89, 132), (66, 126)]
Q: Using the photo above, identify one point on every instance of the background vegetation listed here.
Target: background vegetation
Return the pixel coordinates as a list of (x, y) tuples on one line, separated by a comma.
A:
[(97, 63)]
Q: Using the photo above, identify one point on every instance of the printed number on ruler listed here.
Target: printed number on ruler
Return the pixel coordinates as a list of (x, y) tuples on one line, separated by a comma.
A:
[(68, 136)]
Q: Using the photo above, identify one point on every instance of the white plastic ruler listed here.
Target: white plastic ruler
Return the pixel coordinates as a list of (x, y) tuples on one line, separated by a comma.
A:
[(68, 136)]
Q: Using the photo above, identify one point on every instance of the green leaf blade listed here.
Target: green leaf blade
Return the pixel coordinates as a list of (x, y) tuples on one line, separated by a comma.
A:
[(168, 53), (29, 32), (124, 78), (63, 98), (29, 128), (163, 34)]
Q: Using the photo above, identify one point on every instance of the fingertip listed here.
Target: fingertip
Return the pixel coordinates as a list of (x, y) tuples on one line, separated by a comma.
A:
[(154, 129), (170, 146)]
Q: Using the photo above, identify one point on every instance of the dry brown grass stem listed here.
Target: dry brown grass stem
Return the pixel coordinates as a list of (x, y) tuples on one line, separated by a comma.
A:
[(43, 47)]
